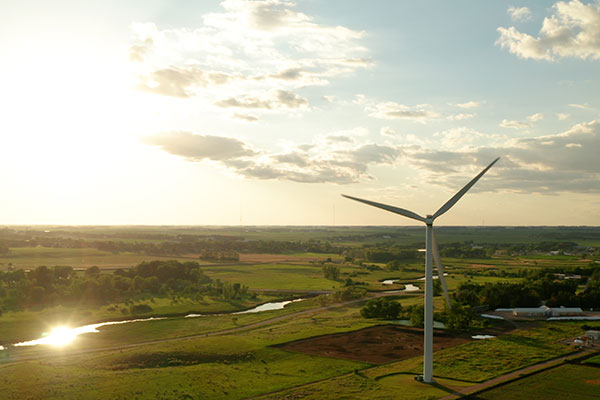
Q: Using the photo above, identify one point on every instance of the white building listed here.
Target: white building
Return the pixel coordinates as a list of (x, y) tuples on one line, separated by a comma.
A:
[(545, 311)]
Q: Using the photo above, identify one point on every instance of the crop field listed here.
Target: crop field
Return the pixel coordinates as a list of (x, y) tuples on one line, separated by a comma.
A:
[(30, 257)]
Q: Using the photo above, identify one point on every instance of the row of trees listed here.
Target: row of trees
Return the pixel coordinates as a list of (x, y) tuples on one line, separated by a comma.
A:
[(543, 286), (44, 287), (459, 317), (177, 246)]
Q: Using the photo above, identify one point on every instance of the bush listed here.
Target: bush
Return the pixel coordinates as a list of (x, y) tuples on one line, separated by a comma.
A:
[(140, 309)]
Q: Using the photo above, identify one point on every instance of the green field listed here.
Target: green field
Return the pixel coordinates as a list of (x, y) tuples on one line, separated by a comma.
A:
[(564, 382)]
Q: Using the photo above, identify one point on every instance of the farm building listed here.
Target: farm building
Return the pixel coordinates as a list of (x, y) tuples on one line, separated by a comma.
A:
[(542, 311), (595, 335), (545, 311), (566, 311)]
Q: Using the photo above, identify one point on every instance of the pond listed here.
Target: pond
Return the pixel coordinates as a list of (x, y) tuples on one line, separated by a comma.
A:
[(408, 287), (483, 337)]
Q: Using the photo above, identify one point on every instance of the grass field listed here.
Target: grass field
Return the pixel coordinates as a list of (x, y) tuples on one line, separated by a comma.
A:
[(484, 359), (593, 361), (575, 382), (31, 257)]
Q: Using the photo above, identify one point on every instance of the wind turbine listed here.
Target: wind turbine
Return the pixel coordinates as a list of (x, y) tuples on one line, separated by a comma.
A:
[(432, 254)]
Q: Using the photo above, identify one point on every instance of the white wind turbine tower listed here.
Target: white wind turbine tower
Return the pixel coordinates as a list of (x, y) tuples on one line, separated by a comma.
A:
[(432, 254)]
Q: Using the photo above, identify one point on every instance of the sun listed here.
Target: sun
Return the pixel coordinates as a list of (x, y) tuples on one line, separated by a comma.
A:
[(60, 336)]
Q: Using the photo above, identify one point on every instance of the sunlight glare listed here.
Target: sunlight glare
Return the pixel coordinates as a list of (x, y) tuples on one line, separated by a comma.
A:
[(60, 336)]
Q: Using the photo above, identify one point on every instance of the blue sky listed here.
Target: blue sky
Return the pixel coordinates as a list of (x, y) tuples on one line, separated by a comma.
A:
[(183, 112)]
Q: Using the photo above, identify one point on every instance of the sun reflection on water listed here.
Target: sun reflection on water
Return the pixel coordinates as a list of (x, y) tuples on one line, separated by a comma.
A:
[(60, 336)]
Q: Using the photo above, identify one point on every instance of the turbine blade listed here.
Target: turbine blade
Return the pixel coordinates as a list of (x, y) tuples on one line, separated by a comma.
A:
[(440, 270), (462, 192), (395, 210)]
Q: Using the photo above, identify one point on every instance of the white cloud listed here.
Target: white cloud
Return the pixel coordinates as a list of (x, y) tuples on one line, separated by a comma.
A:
[(572, 31), (563, 162), (519, 13), (468, 104), (535, 117), (464, 138), (562, 116), (334, 158), (273, 100), (245, 117), (460, 117), (531, 120), (392, 110), (387, 131), (200, 147), (580, 106), (249, 48), (513, 124)]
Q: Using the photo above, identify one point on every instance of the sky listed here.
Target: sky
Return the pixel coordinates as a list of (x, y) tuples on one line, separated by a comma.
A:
[(159, 112)]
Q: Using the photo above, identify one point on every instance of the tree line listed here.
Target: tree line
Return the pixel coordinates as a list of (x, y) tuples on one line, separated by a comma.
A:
[(61, 285), (539, 286)]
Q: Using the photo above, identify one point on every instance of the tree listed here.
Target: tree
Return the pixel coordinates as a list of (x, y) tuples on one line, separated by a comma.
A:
[(417, 315), (460, 317), (331, 272), (381, 308), (437, 287), (92, 271)]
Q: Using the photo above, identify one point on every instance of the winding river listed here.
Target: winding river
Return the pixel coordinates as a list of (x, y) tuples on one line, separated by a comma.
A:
[(61, 336)]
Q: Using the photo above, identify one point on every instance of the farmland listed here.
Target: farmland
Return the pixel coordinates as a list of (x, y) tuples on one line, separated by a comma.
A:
[(320, 347)]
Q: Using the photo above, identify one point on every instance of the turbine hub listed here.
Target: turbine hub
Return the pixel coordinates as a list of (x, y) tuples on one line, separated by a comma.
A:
[(429, 220)]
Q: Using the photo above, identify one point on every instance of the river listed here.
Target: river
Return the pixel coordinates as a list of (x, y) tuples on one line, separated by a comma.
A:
[(63, 335)]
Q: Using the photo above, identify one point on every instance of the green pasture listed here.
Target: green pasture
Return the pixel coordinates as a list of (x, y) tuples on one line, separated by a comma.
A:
[(481, 360), (593, 361), (574, 382), (273, 276), (215, 368)]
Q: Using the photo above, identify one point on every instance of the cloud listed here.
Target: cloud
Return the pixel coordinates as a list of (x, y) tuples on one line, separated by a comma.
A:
[(387, 131), (249, 48), (199, 147), (562, 116), (572, 31), (519, 13), (460, 117), (274, 100), (513, 124), (181, 82), (531, 120), (535, 117), (392, 110), (331, 158), (245, 117), (465, 138), (580, 106), (467, 105), (563, 162)]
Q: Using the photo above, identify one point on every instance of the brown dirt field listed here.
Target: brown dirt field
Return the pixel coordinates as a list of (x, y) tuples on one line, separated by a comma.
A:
[(377, 345)]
